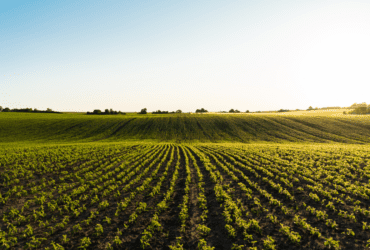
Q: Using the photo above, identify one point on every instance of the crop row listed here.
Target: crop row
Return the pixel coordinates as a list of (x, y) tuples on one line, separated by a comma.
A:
[(203, 196)]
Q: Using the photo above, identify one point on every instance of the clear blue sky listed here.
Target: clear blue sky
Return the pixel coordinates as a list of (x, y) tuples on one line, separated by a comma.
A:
[(169, 55)]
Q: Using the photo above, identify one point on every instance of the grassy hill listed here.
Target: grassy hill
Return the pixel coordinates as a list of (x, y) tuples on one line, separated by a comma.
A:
[(64, 128)]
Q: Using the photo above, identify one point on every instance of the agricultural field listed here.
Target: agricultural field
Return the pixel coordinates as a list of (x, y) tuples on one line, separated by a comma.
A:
[(36, 128), (185, 196)]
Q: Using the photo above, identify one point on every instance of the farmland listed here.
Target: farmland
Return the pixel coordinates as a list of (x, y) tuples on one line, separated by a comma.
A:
[(78, 128), (190, 196), (240, 181)]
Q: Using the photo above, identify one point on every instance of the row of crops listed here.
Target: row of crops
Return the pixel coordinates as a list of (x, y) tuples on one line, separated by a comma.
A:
[(170, 196), (67, 128)]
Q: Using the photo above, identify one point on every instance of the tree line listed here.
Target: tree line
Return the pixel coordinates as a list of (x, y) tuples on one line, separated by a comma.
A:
[(106, 112), (166, 112), (202, 110), (359, 111), (27, 110), (144, 111)]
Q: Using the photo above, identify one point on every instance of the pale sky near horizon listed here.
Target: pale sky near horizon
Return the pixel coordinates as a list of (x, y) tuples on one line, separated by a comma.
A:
[(168, 55)]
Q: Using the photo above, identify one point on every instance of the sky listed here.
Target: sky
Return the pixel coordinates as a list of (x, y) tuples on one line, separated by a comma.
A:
[(252, 55)]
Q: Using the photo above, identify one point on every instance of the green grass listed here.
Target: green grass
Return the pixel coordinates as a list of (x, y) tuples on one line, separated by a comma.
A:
[(37, 128)]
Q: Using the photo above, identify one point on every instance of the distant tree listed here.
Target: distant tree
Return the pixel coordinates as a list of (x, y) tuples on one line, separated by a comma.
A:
[(237, 111), (6, 109), (143, 111), (202, 110), (310, 108), (360, 111), (357, 105), (161, 112), (179, 111), (316, 108), (106, 112), (231, 111), (247, 111), (49, 110), (283, 110)]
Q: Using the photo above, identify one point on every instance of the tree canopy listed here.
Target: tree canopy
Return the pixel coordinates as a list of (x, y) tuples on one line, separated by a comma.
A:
[(143, 111), (283, 110), (48, 110), (160, 112), (360, 111), (202, 110), (106, 112)]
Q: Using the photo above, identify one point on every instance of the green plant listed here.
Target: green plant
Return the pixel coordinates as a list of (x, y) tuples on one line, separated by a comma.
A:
[(77, 228), (65, 239), (231, 231), (272, 218), (103, 204), (117, 241), (330, 243), (35, 242), (28, 231), (56, 246), (202, 245), (237, 247), (349, 232), (178, 245), (203, 229), (368, 243), (109, 246), (108, 220), (269, 243), (85, 243), (146, 236), (331, 223), (99, 230), (132, 218)]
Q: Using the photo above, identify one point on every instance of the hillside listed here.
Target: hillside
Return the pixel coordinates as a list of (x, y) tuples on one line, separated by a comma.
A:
[(63, 128)]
